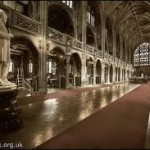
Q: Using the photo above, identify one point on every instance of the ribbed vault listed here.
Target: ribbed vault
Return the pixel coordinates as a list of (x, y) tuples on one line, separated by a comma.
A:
[(132, 19)]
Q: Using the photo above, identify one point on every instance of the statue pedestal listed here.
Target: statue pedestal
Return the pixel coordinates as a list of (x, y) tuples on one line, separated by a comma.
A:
[(9, 110)]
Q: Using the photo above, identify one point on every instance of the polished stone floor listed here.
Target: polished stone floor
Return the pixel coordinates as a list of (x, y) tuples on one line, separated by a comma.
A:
[(45, 119)]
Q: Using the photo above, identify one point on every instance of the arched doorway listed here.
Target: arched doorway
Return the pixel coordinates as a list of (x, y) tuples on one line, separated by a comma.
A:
[(111, 74), (75, 70), (24, 62), (59, 19), (98, 72), (55, 68), (90, 70)]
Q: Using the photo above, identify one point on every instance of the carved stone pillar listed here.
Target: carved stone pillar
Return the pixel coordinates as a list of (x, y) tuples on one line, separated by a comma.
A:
[(108, 74), (121, 74), (114, 74), (121, 49), (114, 44), (117, 74), (102, 74), (43, 47), (67, 70), (94, 73), (103, 37), (84, 24)]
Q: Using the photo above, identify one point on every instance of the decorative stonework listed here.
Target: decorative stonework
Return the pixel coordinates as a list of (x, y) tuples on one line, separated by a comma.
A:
[(90, 49), (25, 23)]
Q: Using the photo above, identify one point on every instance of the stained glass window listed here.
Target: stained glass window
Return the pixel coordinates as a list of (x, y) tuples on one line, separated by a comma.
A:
[(141, 55)]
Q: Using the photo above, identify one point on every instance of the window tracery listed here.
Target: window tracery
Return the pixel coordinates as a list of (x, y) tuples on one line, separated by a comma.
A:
[(141, 55)]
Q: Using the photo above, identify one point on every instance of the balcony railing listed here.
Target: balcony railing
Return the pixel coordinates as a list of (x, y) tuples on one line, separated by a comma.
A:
[(63, 38), (24, 23), (78, 44), (57, 36), (108, 57), (90, 49), (99, 53)]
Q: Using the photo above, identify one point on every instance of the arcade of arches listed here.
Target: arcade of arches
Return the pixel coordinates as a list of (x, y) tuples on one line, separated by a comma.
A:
[(84, 46), (61, 49)]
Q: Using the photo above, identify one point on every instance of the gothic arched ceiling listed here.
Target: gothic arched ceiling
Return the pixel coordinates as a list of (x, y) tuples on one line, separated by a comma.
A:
[(132, 19)]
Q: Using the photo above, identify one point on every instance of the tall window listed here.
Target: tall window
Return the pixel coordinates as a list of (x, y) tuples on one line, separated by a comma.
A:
[(68, 3), (90, 16), (141, 55)]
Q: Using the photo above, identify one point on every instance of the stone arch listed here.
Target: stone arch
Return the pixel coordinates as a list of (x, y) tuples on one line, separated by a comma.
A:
[(25, 55), (56, 68), (63, 23), (75, 69), (98, 71)]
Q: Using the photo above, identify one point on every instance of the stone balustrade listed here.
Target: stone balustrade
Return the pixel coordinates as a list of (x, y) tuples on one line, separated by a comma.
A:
[(89, 49), (24, 23), (99, 53), (29, 25)]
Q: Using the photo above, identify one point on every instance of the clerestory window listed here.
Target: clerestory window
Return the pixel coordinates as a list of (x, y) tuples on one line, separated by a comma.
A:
[(90, 17)]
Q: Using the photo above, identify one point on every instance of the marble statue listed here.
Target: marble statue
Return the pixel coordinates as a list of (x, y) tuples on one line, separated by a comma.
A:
[(5, 37)]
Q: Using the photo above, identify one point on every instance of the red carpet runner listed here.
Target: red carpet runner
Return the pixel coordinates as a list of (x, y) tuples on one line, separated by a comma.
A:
[(121, 124)]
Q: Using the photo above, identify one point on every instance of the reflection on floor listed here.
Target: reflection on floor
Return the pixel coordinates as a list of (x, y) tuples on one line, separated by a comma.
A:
[(44, 119)]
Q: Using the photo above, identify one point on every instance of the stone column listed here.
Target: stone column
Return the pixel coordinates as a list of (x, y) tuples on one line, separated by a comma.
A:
[(94, 73), (121, 74), (43, 47), (114, 74), (117, 74), (67, 70), (103, 37), (126, 55), (130, 56), (84, 24), (108, 74), (121, 49), (102, 74), (114, 44)]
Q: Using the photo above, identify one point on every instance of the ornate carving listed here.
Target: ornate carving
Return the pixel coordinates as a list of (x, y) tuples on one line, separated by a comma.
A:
[(27, 24), (77, 44), (57, 36), (90, 49)]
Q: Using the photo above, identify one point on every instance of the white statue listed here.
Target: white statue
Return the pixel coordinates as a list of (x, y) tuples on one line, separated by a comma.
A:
[(5, 37)]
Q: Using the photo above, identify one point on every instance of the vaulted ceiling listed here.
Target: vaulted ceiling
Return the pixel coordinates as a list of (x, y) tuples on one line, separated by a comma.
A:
[(132, 19)]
